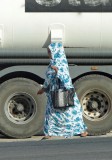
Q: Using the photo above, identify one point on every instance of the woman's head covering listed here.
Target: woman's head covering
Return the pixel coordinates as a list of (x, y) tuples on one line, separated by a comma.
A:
[(59, 60)]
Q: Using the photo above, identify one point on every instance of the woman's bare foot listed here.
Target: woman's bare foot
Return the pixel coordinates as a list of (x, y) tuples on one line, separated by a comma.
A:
[(84, 134), (46, 137)]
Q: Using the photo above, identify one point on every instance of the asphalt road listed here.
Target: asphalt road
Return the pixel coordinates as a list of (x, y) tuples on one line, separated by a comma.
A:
[(91, 148)]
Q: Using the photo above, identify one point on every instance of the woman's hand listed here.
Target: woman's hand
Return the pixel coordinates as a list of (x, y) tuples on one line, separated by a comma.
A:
[(55, 68), (41, 91)]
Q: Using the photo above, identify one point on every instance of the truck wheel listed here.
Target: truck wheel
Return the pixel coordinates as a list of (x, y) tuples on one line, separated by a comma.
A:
[(95, 95), (21, 110)]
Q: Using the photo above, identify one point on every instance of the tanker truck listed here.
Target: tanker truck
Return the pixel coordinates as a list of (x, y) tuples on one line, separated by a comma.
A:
[(27, 27)]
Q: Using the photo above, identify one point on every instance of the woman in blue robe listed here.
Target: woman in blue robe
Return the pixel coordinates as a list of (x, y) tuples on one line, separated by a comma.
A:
[(61, 122)]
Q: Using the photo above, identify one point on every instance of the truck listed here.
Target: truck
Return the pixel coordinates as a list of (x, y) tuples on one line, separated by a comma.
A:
[(27, 27)]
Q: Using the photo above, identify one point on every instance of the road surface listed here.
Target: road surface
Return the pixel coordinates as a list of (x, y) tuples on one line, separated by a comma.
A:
[(89, 148)]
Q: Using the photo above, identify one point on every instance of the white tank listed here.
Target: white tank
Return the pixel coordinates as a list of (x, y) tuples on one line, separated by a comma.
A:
[(32, 29)]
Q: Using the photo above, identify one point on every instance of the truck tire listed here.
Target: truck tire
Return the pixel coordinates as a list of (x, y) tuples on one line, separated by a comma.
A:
[(21, 110), (95, 94)]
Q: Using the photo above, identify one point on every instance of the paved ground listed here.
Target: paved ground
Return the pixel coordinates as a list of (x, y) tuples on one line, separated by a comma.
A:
[(95, 148), (38, 138)]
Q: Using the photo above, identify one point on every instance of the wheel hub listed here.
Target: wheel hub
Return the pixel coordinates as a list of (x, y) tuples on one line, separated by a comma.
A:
[(96, 105), (20, 108)]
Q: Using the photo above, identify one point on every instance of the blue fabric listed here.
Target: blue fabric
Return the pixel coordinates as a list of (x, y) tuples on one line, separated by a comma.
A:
[(66, 122), (59, 60)]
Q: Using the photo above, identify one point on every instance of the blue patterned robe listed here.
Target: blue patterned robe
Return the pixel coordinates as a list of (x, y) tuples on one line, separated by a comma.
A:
[(61, 122)]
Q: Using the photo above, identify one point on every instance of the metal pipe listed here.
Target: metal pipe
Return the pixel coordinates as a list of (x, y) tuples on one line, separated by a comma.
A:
[(70, 53), (31, 61)]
